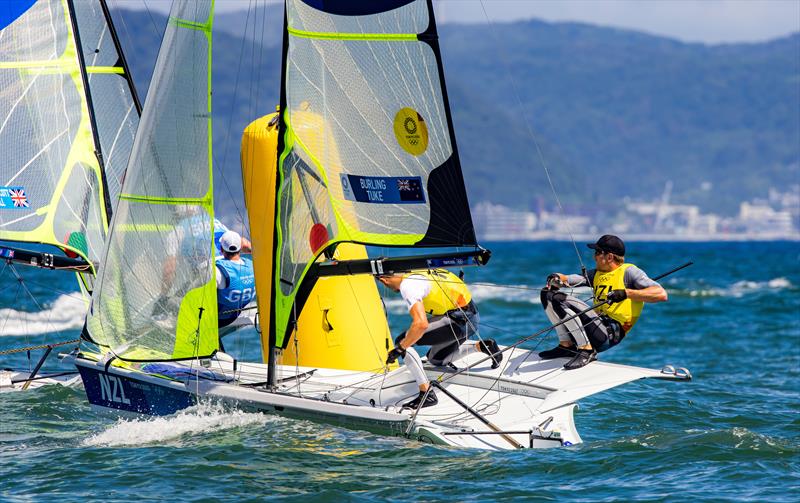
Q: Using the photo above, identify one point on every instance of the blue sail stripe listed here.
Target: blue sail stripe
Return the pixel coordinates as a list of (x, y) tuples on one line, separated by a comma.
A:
[(11, 10)]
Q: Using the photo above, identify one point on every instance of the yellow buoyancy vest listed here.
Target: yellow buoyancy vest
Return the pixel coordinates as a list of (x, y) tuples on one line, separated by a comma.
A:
[(448, 292), (626, 312)]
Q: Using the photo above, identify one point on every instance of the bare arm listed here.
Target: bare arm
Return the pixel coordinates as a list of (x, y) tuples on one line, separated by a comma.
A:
[(572, 280), (419, 323), (651, 294)]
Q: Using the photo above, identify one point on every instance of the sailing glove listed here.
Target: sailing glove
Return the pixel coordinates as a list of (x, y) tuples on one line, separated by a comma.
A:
[(554, 281), (615, 296), (396, 352)]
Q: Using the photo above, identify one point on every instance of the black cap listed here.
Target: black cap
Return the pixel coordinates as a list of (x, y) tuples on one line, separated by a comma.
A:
[(609, 243)]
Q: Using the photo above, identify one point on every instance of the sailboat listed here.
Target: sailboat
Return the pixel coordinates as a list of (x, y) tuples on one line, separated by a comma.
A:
[(361, 152), (68, 116)]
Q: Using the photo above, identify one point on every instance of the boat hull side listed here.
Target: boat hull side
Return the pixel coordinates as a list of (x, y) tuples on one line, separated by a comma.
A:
[(119, 390)]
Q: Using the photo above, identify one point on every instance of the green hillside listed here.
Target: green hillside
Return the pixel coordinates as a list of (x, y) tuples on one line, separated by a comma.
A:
[(616, 113)]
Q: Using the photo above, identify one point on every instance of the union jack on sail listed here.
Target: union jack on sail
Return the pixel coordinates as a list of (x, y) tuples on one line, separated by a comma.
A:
[(19, 198)]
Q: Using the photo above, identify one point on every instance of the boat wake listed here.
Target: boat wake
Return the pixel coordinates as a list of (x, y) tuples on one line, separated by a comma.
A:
[(204, 418), (67, 312)]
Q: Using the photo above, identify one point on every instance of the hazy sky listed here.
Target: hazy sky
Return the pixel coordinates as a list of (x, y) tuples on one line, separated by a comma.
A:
[(709, 21)]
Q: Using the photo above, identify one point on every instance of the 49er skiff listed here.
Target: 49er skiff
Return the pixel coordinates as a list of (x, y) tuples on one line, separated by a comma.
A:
[(362, 152), (68, 116)]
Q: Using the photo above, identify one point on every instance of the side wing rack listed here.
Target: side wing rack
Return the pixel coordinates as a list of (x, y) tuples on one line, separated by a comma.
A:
[(390, 265), (42, 259)]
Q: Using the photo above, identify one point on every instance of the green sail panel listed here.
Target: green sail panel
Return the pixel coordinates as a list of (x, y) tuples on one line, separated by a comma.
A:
[(368, 149), (46, 136), (156, 292)]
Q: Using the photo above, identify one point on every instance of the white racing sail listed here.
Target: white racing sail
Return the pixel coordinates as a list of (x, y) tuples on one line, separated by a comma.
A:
[(368, 154), (156, 294), (68, 116)]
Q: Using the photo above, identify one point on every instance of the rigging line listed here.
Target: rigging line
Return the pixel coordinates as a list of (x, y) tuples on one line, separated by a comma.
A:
[(540, 337), (480, 341), (150, 15), (364, 319), (385, 367), (228, 135), (38, 346), (533, 137), (14, 305), (21, 283), (296, 351), (72, 295)]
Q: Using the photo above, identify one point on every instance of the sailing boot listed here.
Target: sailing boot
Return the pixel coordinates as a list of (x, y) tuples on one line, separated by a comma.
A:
[(491, 348), (559, 352), (429, 401), (581, 359)]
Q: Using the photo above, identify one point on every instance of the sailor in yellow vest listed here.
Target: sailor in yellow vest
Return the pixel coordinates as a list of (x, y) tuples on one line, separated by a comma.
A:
[(443, 316), (626, 287)]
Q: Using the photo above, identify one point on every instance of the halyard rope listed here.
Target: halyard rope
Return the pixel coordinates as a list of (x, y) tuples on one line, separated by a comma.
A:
[(533, 138)]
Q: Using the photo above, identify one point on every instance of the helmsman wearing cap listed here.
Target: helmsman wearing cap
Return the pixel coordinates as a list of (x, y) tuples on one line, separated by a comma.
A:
[(236, 285), (621, 286)]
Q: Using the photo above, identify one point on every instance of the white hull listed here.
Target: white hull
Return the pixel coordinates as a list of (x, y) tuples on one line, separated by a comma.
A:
[(11, 381), (530, 401)]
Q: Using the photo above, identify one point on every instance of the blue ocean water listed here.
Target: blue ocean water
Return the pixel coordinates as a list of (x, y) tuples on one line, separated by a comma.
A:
[(732, 434)]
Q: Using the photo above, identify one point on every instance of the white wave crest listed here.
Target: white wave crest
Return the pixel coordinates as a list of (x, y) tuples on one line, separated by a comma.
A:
[(65, 313), (203, 418), (742, 288), (482, 292)]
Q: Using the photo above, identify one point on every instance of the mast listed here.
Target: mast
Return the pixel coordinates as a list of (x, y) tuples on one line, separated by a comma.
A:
[(281, 145), (88, 94)]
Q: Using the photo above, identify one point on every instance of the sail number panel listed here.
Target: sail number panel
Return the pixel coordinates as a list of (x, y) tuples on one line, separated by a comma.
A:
[(383, 189)]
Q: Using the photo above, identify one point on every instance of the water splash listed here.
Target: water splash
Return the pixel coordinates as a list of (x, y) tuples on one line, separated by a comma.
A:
[(204, 418), (67, 312)]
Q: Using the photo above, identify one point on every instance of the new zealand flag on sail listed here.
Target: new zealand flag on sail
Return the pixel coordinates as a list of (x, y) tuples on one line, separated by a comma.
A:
[(383, 189), (13, 198)]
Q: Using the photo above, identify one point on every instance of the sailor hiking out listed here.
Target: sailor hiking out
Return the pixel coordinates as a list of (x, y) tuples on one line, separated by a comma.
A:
[(443, 316), (622, 287), (236, 285)]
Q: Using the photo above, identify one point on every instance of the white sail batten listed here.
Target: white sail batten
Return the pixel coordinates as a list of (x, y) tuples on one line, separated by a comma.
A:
[(156, 297)]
